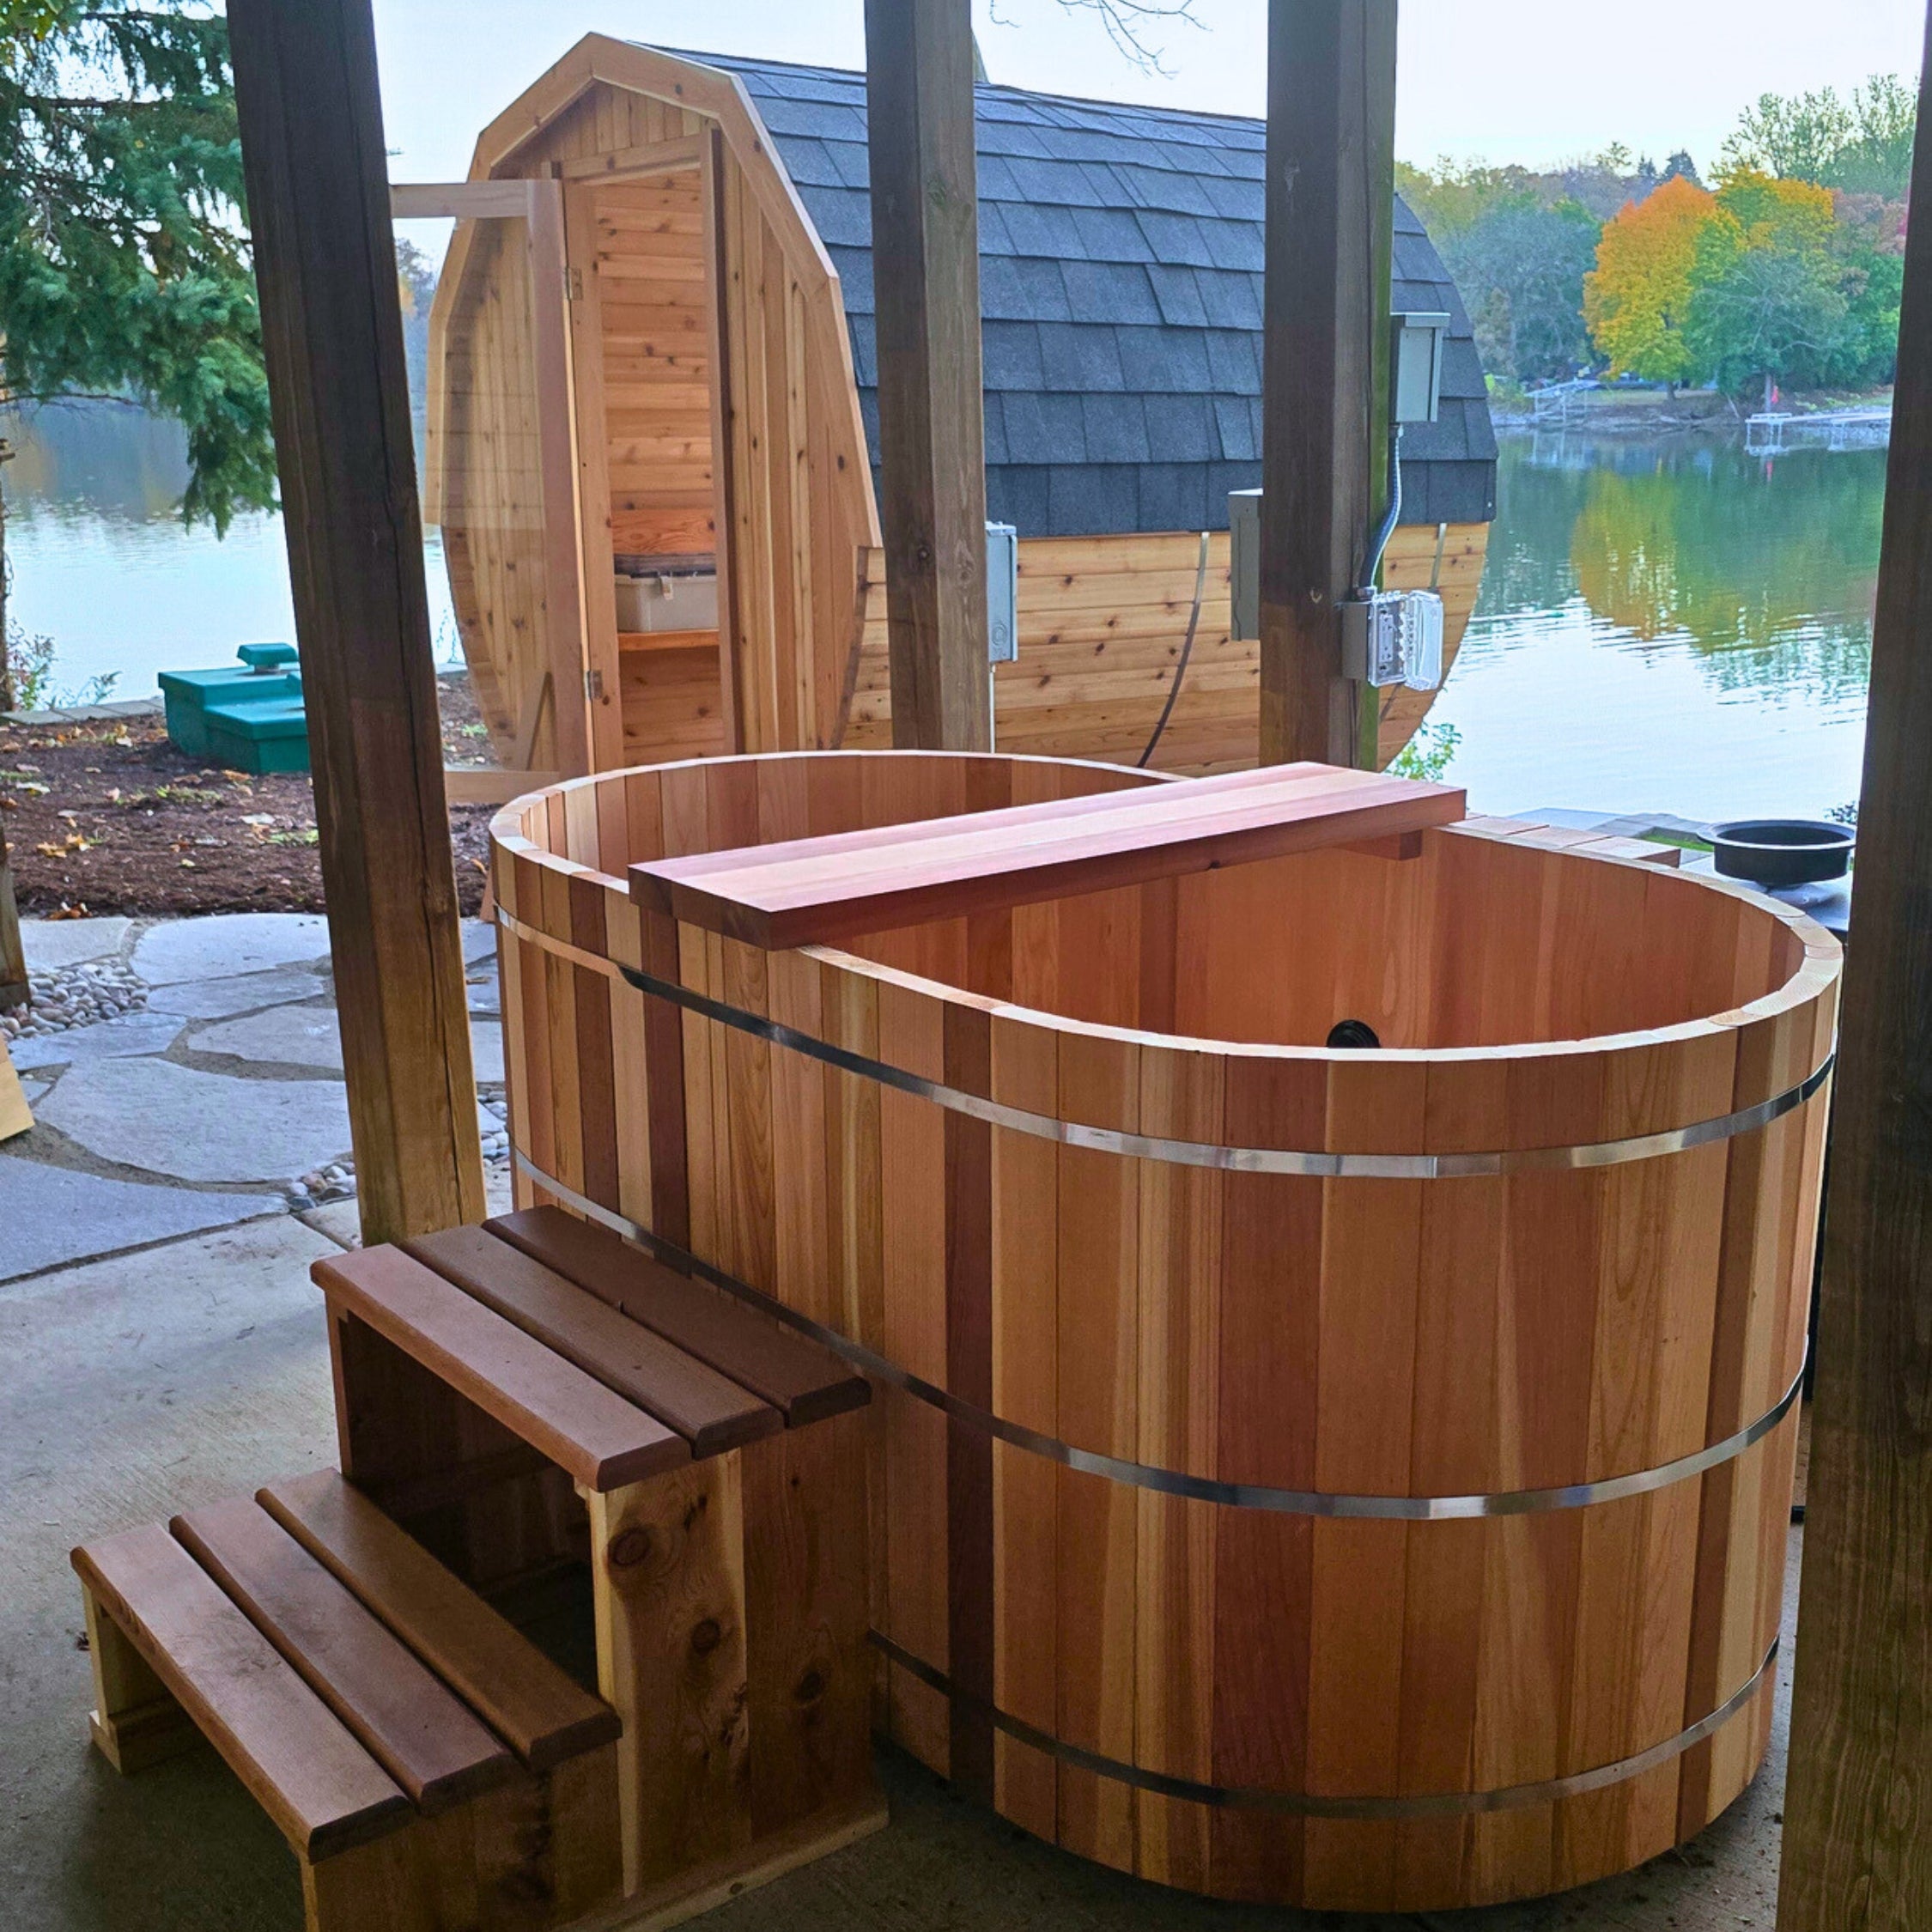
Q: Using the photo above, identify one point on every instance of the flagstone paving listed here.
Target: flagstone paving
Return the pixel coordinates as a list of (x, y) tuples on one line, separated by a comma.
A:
[(218, 1099)]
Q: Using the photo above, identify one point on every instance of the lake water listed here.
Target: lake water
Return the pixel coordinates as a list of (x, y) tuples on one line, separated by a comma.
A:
[(1670, 626), (1664, 626)]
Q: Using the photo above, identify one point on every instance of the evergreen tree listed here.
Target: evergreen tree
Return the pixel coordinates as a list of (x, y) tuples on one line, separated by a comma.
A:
[(125, 264)]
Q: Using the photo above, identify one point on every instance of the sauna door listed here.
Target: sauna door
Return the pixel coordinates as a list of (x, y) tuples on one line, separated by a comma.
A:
[(498, 470), (643, 311)]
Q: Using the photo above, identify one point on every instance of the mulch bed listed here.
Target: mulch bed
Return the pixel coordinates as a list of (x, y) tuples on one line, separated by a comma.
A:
[(111, 818)]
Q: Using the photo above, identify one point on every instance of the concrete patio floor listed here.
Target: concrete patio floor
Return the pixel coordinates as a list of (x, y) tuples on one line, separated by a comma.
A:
[(163, 1347)]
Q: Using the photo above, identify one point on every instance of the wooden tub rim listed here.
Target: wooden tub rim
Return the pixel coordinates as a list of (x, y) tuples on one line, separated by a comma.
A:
[(1811, 981)]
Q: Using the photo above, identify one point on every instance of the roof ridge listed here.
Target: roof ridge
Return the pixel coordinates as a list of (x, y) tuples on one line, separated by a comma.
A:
[(1151, 110)]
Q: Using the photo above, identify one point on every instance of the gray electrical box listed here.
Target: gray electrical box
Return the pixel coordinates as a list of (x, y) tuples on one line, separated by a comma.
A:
[(1244, 576), (1002, 593), (1416, 358)]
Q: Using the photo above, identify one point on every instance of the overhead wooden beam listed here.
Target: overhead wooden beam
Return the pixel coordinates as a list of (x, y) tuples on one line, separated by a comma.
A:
[(1857, 1853), (925, 274), (1331, 184), (318, 187)]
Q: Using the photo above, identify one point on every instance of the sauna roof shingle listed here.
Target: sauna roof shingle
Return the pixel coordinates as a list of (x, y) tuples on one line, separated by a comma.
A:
[(1120, 294)]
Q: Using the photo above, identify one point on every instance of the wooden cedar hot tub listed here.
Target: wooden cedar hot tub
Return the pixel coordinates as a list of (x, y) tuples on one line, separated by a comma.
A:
[(1355, 1479)]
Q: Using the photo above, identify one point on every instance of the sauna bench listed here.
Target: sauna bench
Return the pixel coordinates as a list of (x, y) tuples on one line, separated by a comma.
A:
[(1352, 1479)]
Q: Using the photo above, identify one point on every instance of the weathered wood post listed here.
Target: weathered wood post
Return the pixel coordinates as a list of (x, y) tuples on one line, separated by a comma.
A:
[(926, 249), (1858, 1813), (1331, 184), (331, 326)]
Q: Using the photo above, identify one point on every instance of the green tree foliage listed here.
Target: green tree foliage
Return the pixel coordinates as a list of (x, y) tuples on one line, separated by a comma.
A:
[(1770, 300), (1521, 267), (125, 266), (1863, 146)]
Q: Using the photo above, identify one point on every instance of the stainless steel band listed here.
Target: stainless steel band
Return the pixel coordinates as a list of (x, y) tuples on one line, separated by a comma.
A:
[(1197, 1153), (1176, 1482), (1432, 1804)]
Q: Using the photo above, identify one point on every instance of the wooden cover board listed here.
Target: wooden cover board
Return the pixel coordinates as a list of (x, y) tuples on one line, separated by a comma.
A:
[(708, 1410), (526, 1699), (810, 891), (797, 1376), (588, 1430), (324, 1791), (424, 1737)]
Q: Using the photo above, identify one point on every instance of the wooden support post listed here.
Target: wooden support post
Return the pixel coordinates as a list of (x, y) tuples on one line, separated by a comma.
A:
[(1857, 1842), (13, 987), (1331, 179), (318, 187), (919, 93)]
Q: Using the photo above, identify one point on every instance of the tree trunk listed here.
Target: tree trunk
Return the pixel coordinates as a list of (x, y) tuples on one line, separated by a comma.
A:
[(6, 662), (13, 988)]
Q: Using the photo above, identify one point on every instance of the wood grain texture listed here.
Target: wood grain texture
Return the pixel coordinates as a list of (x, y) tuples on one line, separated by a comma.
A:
[(1399, 1337), (423, 1736), (806, 1382), (324, 1791), (708, 1410), (814, 890), (919, 133), (1331, 135), (311, 123), (1857, 1851), (538, 1711), (596, 1436)]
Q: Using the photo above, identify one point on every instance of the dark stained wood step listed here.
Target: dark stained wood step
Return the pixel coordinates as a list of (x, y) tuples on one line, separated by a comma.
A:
[(524, 1698), (810, 891), (419, 1732), (711, 1411), (804, 1381), (324, 1791), (588, 1430)]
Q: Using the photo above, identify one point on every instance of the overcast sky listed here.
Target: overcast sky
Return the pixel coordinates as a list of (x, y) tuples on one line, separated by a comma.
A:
[(1528, 80)]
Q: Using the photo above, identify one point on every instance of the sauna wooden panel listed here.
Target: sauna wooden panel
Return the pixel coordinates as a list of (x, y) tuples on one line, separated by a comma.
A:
[(650, 247), (1102, 620)]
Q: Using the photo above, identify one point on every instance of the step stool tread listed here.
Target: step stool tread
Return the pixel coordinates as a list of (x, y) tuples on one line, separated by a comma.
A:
[(804, 1380), (324, 1791), (419, 1731), (588, 1430), (709, 1410), (524, 1698)]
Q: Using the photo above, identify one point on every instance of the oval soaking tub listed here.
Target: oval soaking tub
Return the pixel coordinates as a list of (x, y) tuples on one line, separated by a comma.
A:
[(1354, 1479)]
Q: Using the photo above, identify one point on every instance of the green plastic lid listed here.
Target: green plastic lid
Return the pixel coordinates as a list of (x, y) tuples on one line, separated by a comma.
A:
[(267, 657)]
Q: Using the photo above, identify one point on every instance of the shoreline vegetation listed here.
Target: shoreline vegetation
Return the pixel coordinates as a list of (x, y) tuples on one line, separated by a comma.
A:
[(1777, 279), (1617, 411)]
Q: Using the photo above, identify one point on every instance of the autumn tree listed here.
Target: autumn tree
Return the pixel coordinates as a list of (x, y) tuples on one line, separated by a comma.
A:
[(1636, 301)]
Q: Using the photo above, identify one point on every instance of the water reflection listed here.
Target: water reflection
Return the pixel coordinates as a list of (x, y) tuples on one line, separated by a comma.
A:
[(101, 564), (1672, 626)]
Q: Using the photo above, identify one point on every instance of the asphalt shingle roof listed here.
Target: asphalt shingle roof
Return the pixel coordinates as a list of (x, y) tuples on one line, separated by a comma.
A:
[(1120, 270)]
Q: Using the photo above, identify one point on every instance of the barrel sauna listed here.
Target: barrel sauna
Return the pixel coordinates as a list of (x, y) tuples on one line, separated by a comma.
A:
[(1352, 1479)]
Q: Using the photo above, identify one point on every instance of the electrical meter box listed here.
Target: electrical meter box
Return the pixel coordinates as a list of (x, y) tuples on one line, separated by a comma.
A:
[(1394, 637), (1244, 576), (1002, 593), (1416, 364)]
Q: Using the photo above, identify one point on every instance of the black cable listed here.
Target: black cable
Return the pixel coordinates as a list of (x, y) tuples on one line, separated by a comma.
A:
[(1186, 652)]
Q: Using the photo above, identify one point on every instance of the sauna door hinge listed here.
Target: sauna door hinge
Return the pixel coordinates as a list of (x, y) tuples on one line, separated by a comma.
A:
[(572, 284), (593, 686)]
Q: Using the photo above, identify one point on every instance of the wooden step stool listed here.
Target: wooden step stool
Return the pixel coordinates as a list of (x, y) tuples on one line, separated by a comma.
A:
[(538, 1394), (429, 1767)]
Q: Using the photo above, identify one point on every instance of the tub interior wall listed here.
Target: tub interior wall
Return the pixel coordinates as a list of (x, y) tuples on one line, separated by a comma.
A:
[(1476, 942)]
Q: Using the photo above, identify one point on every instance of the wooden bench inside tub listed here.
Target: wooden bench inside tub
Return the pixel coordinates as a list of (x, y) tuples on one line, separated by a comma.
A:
[(426, 1763)]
